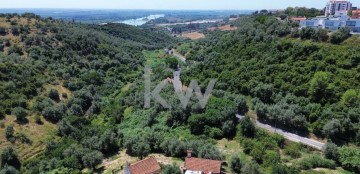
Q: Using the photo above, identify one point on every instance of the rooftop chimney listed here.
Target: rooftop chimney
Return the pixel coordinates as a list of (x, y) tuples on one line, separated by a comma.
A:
[(189, 152)]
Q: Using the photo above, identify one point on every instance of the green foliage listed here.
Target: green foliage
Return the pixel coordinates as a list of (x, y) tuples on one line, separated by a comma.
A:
[(54, 94), (236, 164), (251, 168), (171, 169), (314, 161), (20, 114), (92, 159), (38, 120), (15, 49), (331, 151), (271, 158), (284, 169), (340, 35), (319, 86), (137, 146), (307, 33), (242, 106), (247, 127), (2, 31), (9, 170), (8, 156), (332, 128), (172, 62), (9, 132), (349, 157), (293, 150), (350, 98)]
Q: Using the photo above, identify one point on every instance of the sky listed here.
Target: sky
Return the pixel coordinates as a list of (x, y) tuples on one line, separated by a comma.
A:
[(164, 4)]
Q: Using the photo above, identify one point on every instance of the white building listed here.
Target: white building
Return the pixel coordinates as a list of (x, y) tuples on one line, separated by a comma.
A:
[(316, 23), (337, 7), (354, 25)]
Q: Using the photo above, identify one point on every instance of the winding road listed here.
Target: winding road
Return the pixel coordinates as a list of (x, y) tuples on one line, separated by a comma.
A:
[(178, 55), (290, 136)]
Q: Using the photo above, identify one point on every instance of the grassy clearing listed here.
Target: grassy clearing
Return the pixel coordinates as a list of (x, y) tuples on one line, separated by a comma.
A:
[(39, 135), (155, 58), (61, 89)]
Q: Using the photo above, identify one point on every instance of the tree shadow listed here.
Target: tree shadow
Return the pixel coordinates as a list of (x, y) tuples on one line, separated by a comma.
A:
[(22, 122)]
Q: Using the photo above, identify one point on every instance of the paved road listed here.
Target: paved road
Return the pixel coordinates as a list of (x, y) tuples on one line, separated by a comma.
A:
[(290, 136), (178, 55)]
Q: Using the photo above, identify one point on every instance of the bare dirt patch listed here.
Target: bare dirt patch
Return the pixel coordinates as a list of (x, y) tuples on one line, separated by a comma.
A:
[(193, 35), (223, 28)]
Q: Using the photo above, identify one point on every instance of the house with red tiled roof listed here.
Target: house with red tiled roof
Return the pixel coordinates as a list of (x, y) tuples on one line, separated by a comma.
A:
[(201, 166), (298, 19), (146, 166)]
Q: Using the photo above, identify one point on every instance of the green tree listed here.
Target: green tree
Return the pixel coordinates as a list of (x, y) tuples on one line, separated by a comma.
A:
[(340, 35), (9, 156), (20, 114), (331, 151), (92, 159), (242, 107), (54, 94), (332, 129), (9, 170), (350, 98), (236, 164), (171, 169), (307, 33), (172, 62), (247, 127), (319, 86), (349, 157), (9, 132), (251, 168), (271, 158)]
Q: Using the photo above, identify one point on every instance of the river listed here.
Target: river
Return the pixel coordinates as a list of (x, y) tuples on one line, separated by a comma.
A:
[(141, 21)]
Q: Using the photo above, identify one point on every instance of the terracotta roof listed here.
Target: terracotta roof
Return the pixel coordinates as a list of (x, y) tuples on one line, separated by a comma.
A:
[(204, 165), (298, 18), (146, 166)]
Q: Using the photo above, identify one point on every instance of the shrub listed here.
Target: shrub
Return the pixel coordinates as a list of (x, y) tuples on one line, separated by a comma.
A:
[(251, 168), (247, 127), (340, 35), (16, 50), (236, 164), (9, 170), (38, 119), (20, 114), (271, 158), (2, 31), (331, 151), (9, 132), (284, 169), (9, 156), (171, 169), (15, 31), (315, 161), (54, 94), (349, 157), (293, 150)]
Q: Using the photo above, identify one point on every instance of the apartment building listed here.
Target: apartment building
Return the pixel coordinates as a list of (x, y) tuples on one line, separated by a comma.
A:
[(337, 7)]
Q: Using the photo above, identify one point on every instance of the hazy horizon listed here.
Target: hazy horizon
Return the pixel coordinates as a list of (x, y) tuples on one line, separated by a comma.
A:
[(161, 5)]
